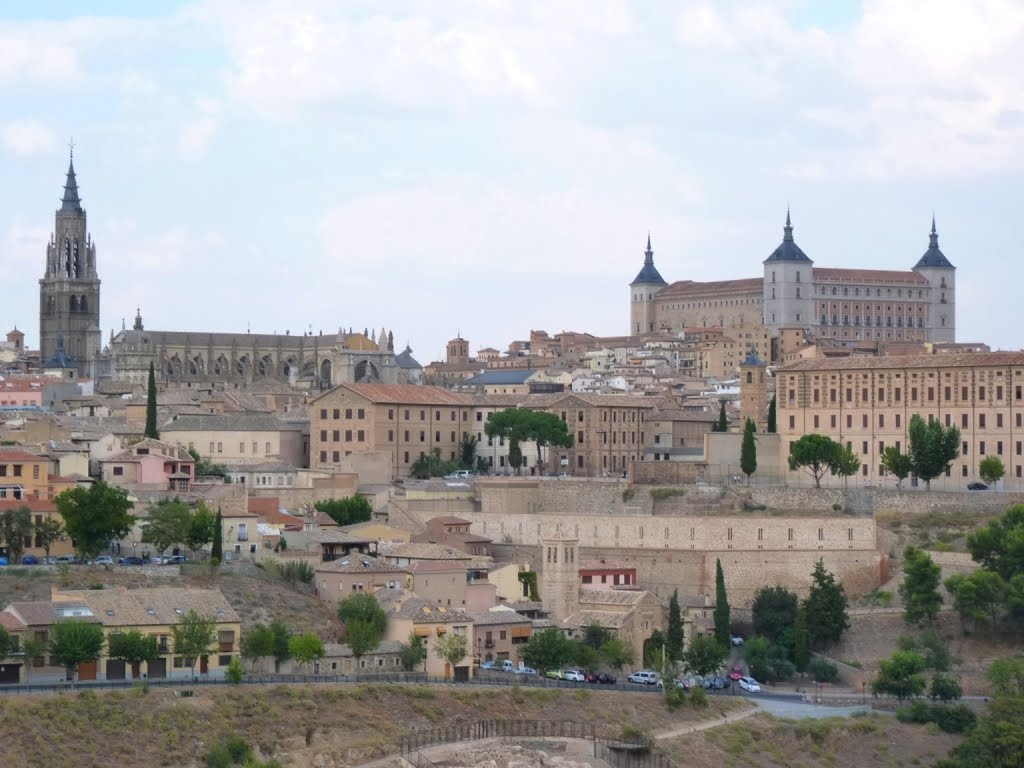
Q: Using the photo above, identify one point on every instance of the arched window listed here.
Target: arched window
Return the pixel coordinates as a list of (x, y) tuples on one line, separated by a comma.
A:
[(73, 303), (83, 305), (76, 269), (67, 257), (750, 377)]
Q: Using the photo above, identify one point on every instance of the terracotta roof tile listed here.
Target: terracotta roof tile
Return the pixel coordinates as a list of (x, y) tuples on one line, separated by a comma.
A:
[(401, 394), (684, 288), (964, 360), (9, 455), (838, 275)]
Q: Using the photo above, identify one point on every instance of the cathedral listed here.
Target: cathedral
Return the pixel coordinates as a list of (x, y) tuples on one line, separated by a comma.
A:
[(71, 339), (844, 306)]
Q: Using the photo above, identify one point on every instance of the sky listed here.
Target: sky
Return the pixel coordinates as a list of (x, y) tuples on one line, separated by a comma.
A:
[(488, 167)]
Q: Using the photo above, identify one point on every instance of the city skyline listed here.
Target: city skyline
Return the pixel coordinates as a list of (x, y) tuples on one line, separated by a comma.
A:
[(308, 166)]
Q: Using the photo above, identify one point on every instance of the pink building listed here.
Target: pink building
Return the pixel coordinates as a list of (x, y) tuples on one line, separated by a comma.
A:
[(607, 574), (151, 464), (23, 390)]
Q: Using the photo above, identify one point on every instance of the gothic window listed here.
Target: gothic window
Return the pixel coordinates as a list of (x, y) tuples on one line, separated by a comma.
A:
[(67, 257), (83, 305), (49, 305), (75, 265), (73, 304), (798, 293)]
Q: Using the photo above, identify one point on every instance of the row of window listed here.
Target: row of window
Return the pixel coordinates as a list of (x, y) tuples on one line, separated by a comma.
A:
[(17, 470), (948, 392), (878, 321), (360, 413)]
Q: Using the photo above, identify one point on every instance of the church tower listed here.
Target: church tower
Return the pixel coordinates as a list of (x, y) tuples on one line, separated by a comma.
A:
[(941, 276), (788, 285), (641, 295), (560, 590), (69, 292)]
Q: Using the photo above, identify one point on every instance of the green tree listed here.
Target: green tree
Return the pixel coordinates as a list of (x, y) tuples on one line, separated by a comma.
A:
[(991, 469), (773, 611), (365, 622), (654, 649), (847, 463), (515, 456), (979, 597), (896, 463), (722, 425), (32, 648), (8, 646), (151, 428), (817, 454), (95, 516), (518, 425), (944, 688), (451, 649), (1007, 676), (346, 511), (920, 587), (258, 643), (74, 642), (200, 532), (722, 621), (825, 607), (748, 450), (234, 673), (772, 417), (15, 530), (431, 465), (467, 450), (547, 429), (705, 655), (193, 637), (930, 645), (901, 675), (932, 448), (167, 522), (280, 649), (412, 653), (207, 468), (616, 654), (594, 635), (47, 532), (757, 652), (997, 741), (999, 546), (801, 656), (133, 647), (217, 544), (306, 648), (548, 649), (674, 632)]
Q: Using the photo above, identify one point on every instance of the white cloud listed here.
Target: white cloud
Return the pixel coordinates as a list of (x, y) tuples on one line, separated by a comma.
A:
[(24, 60), (200, 129), (28, 137)]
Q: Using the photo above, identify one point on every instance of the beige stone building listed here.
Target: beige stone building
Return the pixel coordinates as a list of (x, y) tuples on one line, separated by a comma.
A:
[(240, 437), (337, 579), (440, 581), (500, 634), (866, 403), (409, 614)]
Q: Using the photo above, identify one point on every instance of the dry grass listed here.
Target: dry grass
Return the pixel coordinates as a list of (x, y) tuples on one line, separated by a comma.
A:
[(351, 724)]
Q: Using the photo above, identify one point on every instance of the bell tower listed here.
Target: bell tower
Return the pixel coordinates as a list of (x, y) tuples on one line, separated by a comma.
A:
[(69, 291)]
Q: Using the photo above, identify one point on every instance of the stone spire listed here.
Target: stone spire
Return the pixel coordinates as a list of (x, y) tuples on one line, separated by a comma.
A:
[(933, 257), (787, 231), (71, 202), (788, 250), (649, 275)]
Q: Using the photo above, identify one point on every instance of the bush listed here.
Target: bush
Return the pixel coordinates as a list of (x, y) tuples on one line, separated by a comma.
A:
[(675, 697), (698, 698), (823, 670), (234, 673), (238, 748), (218, 757), (294, 571), (919, 712), (951, 719), (627, 495)]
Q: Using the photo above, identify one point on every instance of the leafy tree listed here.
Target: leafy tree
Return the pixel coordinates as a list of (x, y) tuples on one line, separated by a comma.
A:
[(932, 448), (200, 532), (306, 648), (674, 633), (167, 522), (997, 741), (722, 621), (548, 649), (515, 456), (234, 672), (748, 450), (616, 654), (944, 688), (518, 425), (991, 469), (594, 635), (47, 532), (932, 647), (705, 655), (133, 647), (772, 407), (258, 643), (193, 637), (722, 425), (817, 454), (467, 450), (825, 608), (901, 675), (451, 649), (432, 465), (74, 642), (773, 611), (823, 671), (896, 463), (217, 545), (280, 634), (920, 587), (205, 467), (757, 652), (412, 653), (151, 428), (351, 509), (801, 656), (32, 648), (978, 597), (547, 429), (15, 529), (1007, 676), (654, 649), (365, 622), (8, 646), (999, 546), (95, 516), (847, 463)]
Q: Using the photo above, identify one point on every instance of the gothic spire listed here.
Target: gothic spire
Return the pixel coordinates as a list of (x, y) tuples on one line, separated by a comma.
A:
[(788, 250), (71, 203), (649, 275), (933, 257), (787, 231)]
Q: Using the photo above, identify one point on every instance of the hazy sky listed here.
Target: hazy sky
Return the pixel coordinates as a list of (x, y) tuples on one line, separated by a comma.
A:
[(492, 166)]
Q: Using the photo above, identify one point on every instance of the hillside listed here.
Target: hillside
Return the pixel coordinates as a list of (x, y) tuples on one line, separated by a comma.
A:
[(323, 726)]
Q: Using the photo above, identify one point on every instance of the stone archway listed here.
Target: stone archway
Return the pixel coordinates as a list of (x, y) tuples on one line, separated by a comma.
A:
[(196, 366), (221, 366), (366, 371), (326, 371), (242, 366)]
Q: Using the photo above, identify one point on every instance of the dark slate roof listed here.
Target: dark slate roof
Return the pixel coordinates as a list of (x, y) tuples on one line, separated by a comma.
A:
[(406, 361), (753, 359), (648, 275), (788, 250), (933, 257), (60, 358), (71, 203), (501, 376)]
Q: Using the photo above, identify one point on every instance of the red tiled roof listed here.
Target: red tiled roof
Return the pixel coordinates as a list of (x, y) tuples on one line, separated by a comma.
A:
[(965, 360), (838, 275), (402, 394), (10, 622), (685, 288), (36, 505), (15, 454)]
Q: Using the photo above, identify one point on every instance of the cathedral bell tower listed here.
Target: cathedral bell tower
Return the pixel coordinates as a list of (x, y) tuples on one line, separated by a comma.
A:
[(69, 292)]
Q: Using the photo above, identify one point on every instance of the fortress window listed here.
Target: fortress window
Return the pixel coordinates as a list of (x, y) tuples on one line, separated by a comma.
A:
[(730, 534), (821, 534), (798, 276), (760, 534), (792, 422)]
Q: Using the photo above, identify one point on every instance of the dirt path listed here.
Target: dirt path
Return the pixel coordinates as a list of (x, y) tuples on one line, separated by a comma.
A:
[(694, 727)]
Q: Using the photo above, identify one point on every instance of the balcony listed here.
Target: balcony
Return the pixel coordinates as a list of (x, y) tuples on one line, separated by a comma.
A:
[(488, 643)]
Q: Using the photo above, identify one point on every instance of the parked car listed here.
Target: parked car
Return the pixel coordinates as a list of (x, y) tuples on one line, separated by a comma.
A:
[(681, 682), (459, 474), (103, 560), (716, 683), (554, 674), (736, 639), (130, 561), (488, 665), (644, 677), (977, 487), (64, 560), (600, 678), (525, 671), (574, 675), (750, 685), (507, 665), (175, 560), (29, 560), (3, 560), (736, 672)]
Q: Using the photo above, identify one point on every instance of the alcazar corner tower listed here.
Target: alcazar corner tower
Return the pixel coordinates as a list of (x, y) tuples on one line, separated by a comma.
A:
[(845, 306), (69, 291)]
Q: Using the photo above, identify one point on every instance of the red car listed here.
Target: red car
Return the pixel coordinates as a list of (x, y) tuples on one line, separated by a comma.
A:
[(736, 673)]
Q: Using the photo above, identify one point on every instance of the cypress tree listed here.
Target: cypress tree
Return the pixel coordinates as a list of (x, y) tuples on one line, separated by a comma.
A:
[(151, 430), (217, 547), (723, 421), (800, 655), (748, 450), (771, 417), (722, 623), (674, 633)]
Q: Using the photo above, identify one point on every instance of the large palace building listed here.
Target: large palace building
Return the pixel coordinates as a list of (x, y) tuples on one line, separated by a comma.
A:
[(846, 306)]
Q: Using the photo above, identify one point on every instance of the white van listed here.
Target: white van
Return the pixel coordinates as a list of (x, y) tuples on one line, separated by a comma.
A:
[(508, 666), (644, 677)]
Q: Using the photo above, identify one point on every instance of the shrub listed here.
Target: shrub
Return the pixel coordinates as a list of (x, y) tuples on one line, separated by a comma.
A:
[(95, 585), (955, 719), (698, 698), (675, 697), (918, 712), (667, 493), (238, 748), (823, 671), (628, 494), (218, 757), (234, 672)]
